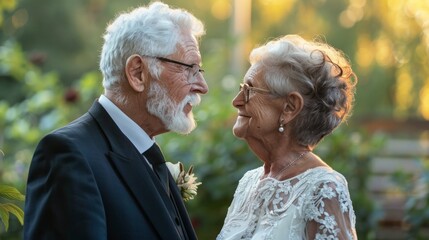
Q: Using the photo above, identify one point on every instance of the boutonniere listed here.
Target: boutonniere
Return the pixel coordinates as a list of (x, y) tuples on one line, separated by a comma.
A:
[(186, 180)]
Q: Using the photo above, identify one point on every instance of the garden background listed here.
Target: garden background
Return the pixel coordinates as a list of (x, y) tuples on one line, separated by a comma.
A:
[(49, 53)]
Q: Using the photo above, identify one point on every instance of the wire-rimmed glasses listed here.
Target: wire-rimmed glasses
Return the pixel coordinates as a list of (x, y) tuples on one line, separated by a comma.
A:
[(194, 69), (246, 90)]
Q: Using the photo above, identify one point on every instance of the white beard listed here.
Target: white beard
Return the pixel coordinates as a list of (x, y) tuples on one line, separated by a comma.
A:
[(171, 114)]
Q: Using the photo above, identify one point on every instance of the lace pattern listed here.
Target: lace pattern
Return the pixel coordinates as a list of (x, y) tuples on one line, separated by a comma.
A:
[(312, 205)]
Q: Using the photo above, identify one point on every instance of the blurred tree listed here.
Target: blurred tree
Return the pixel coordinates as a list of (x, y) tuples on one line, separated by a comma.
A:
[(59, 35)]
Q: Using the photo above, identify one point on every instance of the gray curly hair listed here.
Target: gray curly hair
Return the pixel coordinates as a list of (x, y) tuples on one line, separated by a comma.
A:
[(320, 73)]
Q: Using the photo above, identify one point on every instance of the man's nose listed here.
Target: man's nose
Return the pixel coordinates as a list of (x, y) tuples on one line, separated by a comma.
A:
[(199, 85)]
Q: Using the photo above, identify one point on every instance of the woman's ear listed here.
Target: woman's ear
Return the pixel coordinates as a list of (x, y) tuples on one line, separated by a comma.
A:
[(292, 106), (134, 72)]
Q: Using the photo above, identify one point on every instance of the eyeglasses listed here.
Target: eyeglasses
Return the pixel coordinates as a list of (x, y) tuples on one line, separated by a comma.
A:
[(194, 69), (246, 90)]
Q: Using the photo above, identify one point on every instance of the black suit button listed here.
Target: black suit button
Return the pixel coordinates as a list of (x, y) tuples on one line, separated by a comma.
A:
[(177, 220)]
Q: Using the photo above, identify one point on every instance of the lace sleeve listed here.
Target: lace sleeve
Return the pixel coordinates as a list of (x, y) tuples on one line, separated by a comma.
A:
[(329, 213)]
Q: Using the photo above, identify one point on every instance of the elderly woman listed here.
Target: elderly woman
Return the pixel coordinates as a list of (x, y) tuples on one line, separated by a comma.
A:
[(295, 93)]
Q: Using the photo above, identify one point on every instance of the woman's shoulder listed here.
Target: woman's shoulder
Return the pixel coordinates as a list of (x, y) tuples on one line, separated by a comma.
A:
[(324, 174), (325, 182)]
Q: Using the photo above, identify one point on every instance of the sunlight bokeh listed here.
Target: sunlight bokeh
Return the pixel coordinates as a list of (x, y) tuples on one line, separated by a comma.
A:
[(404, 93), (272, 11), (424, 100), (353, 13), (365, 52), (384, 51), (221, 9)]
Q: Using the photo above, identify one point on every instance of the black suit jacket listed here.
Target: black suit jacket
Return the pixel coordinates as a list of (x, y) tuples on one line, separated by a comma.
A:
[(88, 181)]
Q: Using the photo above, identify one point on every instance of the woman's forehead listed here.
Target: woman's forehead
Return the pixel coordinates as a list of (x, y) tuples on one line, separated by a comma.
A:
[(251, 74)]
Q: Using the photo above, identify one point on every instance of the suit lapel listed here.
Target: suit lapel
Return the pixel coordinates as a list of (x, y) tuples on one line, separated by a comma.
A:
[(136, 174)]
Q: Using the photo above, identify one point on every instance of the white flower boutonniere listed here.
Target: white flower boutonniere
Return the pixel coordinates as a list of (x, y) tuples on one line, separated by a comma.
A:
[(186, 181)]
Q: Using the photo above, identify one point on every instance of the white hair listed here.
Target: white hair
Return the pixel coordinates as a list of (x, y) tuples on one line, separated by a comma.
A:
[(154, 30)]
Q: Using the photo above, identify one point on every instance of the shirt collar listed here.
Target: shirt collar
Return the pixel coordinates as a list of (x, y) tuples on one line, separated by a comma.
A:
[(128, 127)]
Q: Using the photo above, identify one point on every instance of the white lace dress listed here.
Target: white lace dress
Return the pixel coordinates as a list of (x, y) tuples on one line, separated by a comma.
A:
[(312, 205)]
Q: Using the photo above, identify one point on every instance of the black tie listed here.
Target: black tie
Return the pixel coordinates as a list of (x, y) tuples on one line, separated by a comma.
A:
[(155, 157)]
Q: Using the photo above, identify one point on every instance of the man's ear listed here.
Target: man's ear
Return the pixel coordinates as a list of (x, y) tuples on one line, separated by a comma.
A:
[(134, 72), (292, 106)]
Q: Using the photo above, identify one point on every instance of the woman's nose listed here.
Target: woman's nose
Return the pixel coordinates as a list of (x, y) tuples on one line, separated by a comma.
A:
[(238, 100)]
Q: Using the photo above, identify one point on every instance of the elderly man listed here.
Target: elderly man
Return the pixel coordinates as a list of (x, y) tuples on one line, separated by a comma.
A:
[(103, 176)]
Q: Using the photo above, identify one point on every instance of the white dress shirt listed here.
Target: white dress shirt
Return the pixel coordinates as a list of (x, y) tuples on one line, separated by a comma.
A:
[(129, 128)]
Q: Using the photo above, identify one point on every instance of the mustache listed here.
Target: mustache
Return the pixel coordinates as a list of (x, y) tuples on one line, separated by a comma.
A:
[(193, 99)]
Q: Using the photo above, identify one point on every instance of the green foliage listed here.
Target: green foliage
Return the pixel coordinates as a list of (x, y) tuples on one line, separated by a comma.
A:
[(6, 5), (416, 188), (10, 193), (43, 104)]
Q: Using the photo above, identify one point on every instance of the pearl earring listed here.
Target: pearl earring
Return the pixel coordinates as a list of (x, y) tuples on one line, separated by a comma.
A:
[(281, 128)]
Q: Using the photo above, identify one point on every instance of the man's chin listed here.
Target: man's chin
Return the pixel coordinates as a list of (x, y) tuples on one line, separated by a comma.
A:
[(184, 132), (183, 128)]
